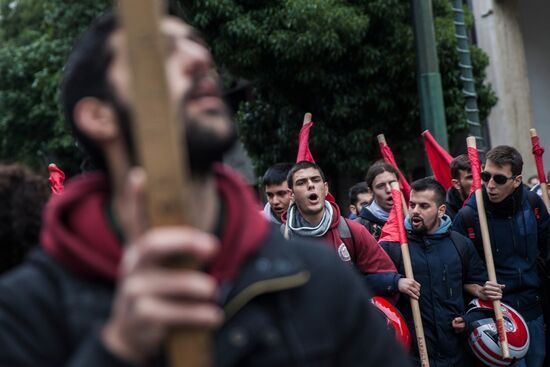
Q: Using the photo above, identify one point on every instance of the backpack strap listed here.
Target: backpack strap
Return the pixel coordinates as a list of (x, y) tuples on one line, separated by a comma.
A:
[(343, 229), (467, 214)]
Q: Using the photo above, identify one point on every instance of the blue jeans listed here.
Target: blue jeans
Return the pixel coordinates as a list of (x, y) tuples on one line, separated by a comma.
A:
[(536, 352)]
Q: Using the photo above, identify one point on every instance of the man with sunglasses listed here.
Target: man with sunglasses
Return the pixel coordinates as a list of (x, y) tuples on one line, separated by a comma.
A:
[(518, 226)]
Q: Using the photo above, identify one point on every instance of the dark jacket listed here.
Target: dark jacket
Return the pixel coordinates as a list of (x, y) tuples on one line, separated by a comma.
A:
[(453, 202), (310, 310), (371, 222), (438, 267), (516, 236), (286, 303)]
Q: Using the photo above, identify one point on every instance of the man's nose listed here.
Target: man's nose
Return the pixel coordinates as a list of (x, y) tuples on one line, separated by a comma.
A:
[(388, 188)]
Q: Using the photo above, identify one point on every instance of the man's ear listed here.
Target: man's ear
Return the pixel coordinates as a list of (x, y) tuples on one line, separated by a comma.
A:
[(441, 210), (326, 187), (518, 180), (352, 209), (95, 119)]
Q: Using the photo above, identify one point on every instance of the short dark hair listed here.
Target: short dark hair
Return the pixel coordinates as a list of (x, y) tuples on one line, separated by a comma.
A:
[(355, 190), (505, 154), (377, 168), (299, 166), (430, 184), (85, 75), (23, 194), (277, 174), (460, 163)]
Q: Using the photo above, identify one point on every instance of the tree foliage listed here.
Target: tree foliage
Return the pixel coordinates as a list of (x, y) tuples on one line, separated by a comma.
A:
[(36, 38), (351, 63)]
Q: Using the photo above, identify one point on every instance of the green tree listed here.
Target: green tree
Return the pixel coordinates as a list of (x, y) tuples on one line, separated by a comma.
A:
[(350, 63), (36, 37)]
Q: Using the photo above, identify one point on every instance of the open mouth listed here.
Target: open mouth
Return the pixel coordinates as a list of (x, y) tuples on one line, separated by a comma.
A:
[(206, 94), (313, 198), (416, 221)]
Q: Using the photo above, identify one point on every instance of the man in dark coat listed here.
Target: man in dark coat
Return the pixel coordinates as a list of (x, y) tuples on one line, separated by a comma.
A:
[(518, 226), (99, 293), (445, 264)]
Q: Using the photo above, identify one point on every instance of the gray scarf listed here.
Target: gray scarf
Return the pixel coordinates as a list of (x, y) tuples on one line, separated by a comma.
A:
[(378, 211), (297, 225), (270, 215)]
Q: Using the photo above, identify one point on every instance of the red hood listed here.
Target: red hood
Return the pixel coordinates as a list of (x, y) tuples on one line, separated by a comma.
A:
[(76, 231)]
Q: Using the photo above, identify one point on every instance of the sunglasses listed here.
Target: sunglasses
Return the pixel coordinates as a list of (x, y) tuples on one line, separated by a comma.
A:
[(499, 179)]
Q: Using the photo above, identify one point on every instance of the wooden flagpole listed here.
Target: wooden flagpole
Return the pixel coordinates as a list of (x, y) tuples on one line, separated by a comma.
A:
[(415, 307), (159, 137), (471, 143), (543, 185), (382, 140)]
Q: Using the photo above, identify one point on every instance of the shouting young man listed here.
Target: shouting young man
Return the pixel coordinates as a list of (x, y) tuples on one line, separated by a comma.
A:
[(445, 264), (311, 216)]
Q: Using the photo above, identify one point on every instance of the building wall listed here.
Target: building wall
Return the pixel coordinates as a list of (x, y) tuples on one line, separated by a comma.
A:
[(499, 34), (533, 18)]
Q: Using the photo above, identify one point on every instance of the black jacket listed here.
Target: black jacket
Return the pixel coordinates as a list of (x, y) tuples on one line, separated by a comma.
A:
[(371, 222), (442, 271), (306, 309), (453, 202)]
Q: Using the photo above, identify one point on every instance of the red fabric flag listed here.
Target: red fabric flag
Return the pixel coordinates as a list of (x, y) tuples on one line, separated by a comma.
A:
[(57, 178), (304, 154), (394, 229), (538, 151), (387, 154), (439, 159), (476, 171)]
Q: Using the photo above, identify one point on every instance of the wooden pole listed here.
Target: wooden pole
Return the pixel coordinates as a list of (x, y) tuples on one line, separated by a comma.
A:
[(159, 137), (543, 185), (382, 140), (415, 307), (471, 143)]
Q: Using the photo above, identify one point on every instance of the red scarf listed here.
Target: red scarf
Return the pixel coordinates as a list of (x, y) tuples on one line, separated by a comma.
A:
[(77, 233)]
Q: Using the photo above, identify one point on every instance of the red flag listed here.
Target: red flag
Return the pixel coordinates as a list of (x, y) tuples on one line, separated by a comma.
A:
[(538, 151), (439, 159), (57, 178), (387, 154), (304, 154), (394, 229), (476, 172)]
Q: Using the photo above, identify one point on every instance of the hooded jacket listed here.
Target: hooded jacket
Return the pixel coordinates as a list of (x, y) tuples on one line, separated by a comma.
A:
[(516, 237), (362, 251), (274, 292), (438, 267), (454, 202)]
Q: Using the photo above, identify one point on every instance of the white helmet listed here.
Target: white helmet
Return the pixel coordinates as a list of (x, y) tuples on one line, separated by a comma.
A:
[(483, 335)]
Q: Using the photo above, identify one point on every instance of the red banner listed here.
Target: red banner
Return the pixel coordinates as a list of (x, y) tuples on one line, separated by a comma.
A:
[(439, 159)]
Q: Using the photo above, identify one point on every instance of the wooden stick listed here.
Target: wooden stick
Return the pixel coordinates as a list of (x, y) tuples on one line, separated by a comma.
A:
[(307, 118), (382, 140), (543, 185), (415, 307), (159, 138), (471, 143)]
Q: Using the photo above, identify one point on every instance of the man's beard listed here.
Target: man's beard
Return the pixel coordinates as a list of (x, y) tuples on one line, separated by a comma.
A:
[(204, 146), (423, 229)]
